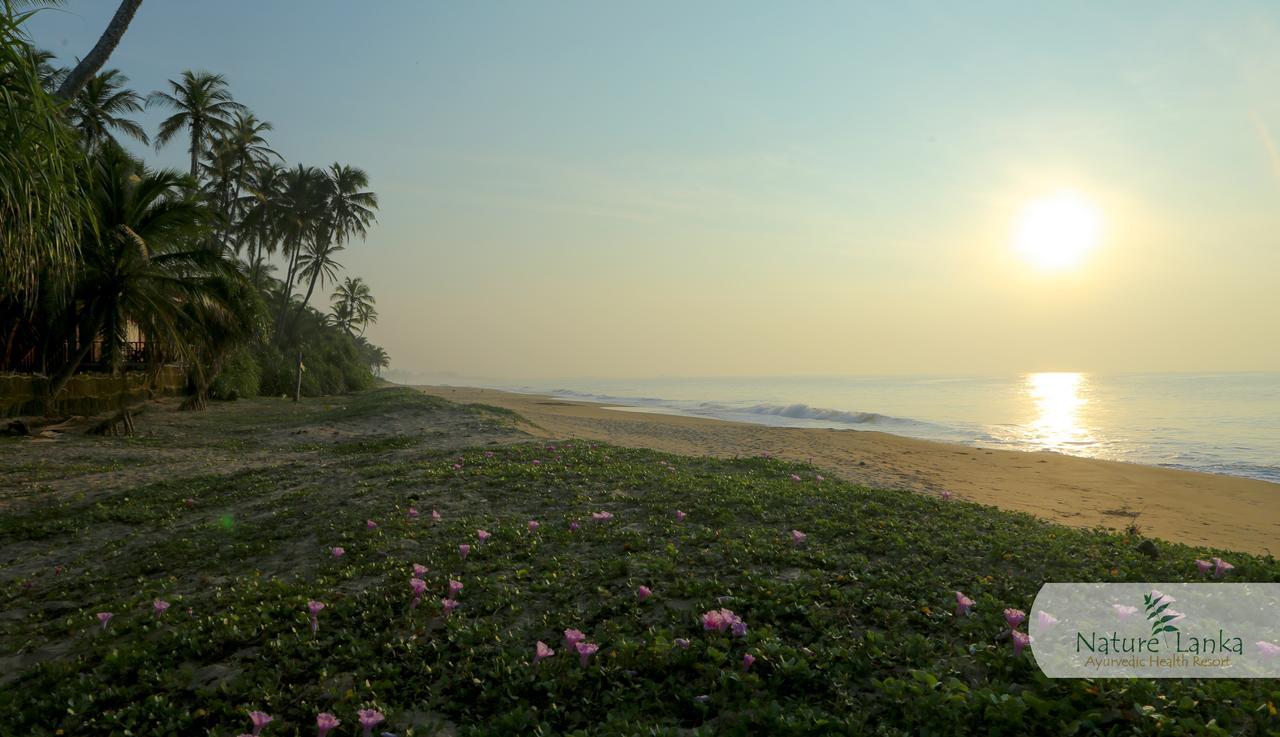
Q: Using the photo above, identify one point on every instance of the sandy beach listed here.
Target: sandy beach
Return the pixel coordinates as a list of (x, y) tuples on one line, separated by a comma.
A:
[(1184, 506)]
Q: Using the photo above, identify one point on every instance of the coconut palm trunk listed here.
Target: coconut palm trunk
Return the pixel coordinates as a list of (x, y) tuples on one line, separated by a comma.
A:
[(287, 292), (69, 369), (97, 56), (197, 131), (297, 387)]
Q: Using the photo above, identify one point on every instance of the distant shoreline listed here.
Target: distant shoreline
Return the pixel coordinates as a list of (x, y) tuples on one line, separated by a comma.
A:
[(1191, 507), (1171, 421)]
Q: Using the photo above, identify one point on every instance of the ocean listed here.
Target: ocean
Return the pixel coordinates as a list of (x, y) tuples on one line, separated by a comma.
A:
[(1218, 423)]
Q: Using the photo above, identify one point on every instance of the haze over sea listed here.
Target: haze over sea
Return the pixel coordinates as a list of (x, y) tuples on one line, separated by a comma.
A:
[(1218, 423)]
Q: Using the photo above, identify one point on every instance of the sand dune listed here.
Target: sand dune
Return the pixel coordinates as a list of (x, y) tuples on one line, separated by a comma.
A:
[(1184, 506)]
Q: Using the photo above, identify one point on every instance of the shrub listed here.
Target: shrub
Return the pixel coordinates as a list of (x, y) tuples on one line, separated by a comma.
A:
[(240, 377)]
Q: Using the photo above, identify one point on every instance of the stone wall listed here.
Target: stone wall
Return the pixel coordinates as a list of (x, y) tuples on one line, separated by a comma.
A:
[(86, 394)]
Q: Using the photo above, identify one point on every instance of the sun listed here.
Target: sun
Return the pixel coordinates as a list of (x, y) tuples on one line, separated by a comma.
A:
[(1055, 232)]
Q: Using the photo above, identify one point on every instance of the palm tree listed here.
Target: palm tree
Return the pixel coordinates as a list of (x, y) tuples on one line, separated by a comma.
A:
[(228, 315), (97, 56), (99, 108), (239, 152), (42, 202), (375, 357), (380, 360), (203, 106), (348, 211), (50, 76), (299, 212), (353, 305), (261, 205), (345, 210), (341, 316), (142, 266), (317, 265)]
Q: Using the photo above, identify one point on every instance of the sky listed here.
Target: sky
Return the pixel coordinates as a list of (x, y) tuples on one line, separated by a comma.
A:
[(583, 189)]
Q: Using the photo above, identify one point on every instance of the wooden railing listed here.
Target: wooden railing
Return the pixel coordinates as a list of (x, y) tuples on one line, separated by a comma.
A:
[(133, 355)]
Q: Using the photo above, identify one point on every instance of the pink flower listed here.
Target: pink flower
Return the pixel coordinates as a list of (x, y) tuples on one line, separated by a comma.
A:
[(1014, 617), (189, 502), (370, 524), (643, 593), (723, 619), (464, 550), (448, 605), (601, 515), (105, 617), (680, 516), (533, 525), (488, 454), (419, 587), (585, 651), (369, 718), (435, 516), (573, 526), (1204, 566), (326, 722), (159, 606), (1177, 615), (1045, 619), (483, 535), (457, 466), (338, 552), (260, 719), (747, 661), (572, 638), (682, 643), (795, 477), (313, 609), (820, 478), (541, 651), (1268, 649), (537, 462), (798, 537), (413, 512), (963, 604), (419, 570), (1124, 612), (454, 588), (946, 496), (1221, 567), (1020, 640)]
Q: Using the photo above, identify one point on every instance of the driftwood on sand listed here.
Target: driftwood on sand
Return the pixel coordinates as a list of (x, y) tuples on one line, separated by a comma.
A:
[(120, 423)]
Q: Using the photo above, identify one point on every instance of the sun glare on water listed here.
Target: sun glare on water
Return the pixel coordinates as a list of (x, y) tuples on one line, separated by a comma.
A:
[(1055, 232)]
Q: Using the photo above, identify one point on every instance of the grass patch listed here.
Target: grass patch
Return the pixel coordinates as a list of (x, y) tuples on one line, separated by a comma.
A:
[(852, 631)]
